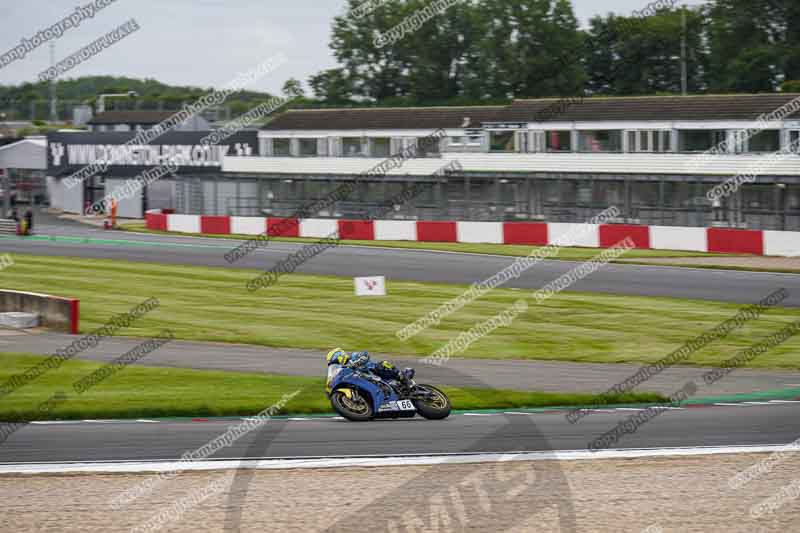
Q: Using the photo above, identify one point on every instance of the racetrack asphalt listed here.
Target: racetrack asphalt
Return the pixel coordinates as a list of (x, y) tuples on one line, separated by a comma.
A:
[(552, 376), (408, 265), (319, 437), (168, 440)]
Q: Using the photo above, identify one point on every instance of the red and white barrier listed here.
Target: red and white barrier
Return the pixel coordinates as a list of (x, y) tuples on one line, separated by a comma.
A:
[(717, 240)]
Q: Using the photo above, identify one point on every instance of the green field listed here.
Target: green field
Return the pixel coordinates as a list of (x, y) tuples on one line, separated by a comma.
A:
[(138, 391), (511, 250), (321, 312)]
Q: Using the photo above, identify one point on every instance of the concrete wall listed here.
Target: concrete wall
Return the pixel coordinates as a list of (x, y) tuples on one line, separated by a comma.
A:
[(57, 313)]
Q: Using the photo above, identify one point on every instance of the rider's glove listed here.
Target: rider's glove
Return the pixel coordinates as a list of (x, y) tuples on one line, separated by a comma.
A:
[(359, 358)]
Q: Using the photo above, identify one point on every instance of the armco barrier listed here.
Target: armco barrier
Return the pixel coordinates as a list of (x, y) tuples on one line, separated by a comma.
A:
[(786, 243), (156, 220), (679, 238), (718, 240), (183, 223), (248, 225), (356, 230), (735, 241), (319, 228), (437, 232), (215, 225), (611, 234), (283, 227), (533, 233), (477, 232), (395, 230), (61, 314)]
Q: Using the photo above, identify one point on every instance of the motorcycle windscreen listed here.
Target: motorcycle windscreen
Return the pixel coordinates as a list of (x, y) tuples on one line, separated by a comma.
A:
[(333, 371)]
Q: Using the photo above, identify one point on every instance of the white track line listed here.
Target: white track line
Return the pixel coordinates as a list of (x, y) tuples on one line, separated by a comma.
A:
[(375, 461), (55, 422), (784, 401)]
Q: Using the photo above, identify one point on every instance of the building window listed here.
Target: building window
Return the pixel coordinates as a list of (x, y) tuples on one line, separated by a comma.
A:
[(428, 146), (600, 141), (794, 141), (471, 140), (645, 141), (351, 147), (501, 141), (558, 141), (308, 147), (281, 147), (665, 141), (700, 140), (649, 141), (381, 147), (766, 141)]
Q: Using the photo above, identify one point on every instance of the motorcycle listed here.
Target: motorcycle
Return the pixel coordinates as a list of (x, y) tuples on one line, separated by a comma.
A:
[(359, 395)]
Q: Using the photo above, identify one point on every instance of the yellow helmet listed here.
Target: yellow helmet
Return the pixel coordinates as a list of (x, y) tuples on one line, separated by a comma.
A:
[(337, 356)]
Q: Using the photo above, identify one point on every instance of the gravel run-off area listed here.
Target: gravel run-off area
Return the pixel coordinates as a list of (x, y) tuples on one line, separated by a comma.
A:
[(686, 494)]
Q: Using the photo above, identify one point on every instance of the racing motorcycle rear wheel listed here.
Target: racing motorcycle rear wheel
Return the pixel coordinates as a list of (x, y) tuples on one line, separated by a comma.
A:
[(431, 403), (356, 408)]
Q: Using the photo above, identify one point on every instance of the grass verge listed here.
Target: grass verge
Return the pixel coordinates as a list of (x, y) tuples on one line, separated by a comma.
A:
[(137, 391), (510, 250), (321, 312)]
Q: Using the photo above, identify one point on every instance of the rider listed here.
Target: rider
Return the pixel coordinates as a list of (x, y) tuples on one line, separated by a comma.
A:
[(383, 369)]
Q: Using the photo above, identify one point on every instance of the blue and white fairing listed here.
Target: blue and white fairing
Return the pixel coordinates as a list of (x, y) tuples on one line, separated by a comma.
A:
[(381, 393)]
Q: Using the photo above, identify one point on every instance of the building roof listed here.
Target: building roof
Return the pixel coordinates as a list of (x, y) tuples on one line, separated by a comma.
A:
[(657, 108), (28, 153), (130, 117), (386, 118), (41, 142), (710, 107)]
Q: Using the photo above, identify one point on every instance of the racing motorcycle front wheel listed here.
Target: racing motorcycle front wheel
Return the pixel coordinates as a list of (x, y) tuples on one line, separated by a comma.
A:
[(431, 403), (354, 406)]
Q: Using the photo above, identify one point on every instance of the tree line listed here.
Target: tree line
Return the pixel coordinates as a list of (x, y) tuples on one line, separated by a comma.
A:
[(491, 51)]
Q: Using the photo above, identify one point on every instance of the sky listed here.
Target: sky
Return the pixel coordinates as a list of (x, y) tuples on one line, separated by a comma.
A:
[(205, 43)]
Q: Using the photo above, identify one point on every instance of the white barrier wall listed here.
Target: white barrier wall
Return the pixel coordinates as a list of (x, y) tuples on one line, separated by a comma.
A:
[(480, 232), (775, 243), (319, 228), (785, 243), (183, 223), (395, 230), (248, 225), (562, 234), (674, 238)]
